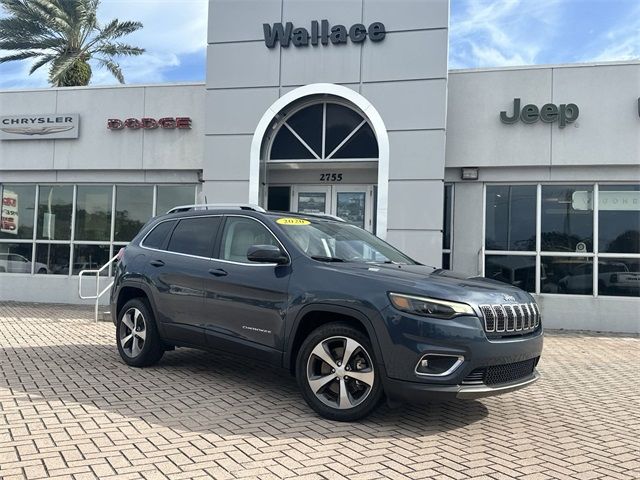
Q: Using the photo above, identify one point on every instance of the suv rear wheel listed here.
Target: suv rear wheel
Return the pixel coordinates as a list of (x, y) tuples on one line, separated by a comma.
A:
[(137, 336), (336, 371)]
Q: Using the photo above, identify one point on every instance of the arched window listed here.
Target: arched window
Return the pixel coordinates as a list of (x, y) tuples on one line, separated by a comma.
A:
[(324, 131)]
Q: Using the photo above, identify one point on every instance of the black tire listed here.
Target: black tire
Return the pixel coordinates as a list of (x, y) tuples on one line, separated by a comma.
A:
[(361, 362), (143, 353), (42, 271)]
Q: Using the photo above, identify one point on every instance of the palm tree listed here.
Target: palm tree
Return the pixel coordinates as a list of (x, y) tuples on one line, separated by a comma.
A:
[(66, 35)]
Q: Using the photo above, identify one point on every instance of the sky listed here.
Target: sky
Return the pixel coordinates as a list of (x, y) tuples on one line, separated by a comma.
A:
[(483, 33)]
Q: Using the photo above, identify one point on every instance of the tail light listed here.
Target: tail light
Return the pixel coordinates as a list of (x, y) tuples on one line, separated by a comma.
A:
[(120, 254)]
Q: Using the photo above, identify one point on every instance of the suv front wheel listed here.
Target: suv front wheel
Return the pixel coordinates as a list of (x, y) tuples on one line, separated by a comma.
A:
[(336, 371)]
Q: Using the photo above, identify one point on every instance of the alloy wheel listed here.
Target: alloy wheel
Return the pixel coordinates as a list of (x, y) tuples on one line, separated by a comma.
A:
[(340, 372), (133, 332)]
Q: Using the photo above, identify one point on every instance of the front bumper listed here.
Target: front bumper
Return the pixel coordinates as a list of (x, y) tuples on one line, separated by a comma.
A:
[(412, 392)]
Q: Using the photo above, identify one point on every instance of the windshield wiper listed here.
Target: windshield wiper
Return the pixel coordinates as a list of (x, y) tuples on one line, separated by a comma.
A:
[(321, 258)]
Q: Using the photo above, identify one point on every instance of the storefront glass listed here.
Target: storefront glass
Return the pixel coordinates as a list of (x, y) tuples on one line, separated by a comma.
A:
[(619, 219), (93, 212), (559, 256), (55, 204), (134, 206), (18, 206), (169, 196), (60, 246)]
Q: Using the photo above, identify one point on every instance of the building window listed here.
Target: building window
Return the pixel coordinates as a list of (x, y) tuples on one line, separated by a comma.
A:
[(447, 228), (324, 131), (564, 239), (134, 206), (55, 204), (76, 226), (511, 217), (18, 206)]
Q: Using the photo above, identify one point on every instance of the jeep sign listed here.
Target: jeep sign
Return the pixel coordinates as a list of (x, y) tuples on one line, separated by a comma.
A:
[(564, 114), (320, 33)]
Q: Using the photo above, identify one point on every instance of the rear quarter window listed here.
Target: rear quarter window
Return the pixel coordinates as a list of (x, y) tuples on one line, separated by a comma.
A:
[(156, 238)]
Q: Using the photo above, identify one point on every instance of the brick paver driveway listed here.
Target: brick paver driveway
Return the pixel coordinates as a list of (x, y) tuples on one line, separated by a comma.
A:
[(70, 408)]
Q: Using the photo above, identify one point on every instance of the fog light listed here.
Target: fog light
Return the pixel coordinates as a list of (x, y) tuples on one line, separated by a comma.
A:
[(436, 365)]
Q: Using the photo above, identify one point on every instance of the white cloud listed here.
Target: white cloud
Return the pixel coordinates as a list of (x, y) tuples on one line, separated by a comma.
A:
[(172, 28), (620, 43), (494, 33)]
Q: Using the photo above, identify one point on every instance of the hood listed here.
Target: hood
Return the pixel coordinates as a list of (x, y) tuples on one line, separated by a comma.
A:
[(438, 283)]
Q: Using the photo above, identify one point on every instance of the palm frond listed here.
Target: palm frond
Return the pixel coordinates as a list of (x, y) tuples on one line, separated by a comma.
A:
[(42, 62), (113, 67), (25, 43), (17, 27), (52, 14), (20, 56), (115, 49)]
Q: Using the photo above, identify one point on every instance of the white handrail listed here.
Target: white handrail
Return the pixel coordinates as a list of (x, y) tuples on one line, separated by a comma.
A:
[(99, 292)]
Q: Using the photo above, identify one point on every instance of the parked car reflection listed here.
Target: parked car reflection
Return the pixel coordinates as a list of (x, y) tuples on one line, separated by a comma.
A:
[(614, 278), (14, 263)]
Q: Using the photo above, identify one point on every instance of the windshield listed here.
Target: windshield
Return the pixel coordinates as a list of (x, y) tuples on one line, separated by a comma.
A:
[(329, 240)]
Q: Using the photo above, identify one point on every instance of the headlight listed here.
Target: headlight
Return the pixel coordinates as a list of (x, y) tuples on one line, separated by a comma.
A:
[(429, 307)]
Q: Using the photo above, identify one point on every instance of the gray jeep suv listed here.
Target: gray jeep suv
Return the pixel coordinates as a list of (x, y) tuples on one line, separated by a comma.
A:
[(350, 316)]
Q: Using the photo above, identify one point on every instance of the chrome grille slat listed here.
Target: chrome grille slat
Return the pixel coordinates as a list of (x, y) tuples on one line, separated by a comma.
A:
[(489, 318), (500, 318), (511, 317), (525, 309), (519, 317)]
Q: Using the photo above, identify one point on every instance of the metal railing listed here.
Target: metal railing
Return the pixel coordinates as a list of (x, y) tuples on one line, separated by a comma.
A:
[(99, 292)]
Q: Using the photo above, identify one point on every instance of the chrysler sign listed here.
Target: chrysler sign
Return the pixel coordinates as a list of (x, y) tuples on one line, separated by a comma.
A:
[(39, 127)]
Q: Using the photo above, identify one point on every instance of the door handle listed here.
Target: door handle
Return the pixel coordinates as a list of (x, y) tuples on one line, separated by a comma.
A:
[(218, 272), (157, 263)]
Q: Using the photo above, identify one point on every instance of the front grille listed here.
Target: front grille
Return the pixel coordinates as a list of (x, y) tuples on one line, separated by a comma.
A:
[(498, 374), (510, 319)]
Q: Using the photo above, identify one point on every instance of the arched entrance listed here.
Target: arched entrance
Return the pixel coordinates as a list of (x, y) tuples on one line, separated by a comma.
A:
[(322, 148)]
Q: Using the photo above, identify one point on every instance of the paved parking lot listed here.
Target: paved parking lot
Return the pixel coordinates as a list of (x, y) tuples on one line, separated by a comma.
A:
[(70, 409)]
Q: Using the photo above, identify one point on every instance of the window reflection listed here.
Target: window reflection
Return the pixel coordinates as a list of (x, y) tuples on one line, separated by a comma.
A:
[(516, 270), (55, 204), (511, 217), (52, 259), (567, 275), (90, 257), (619, 276), (567, 218), (134, 205), (93, 213), (619, 218), (18, 205), (15, 257), (170, 196)]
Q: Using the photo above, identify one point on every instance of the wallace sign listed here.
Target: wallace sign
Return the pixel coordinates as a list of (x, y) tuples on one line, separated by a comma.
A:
[(321, 33)]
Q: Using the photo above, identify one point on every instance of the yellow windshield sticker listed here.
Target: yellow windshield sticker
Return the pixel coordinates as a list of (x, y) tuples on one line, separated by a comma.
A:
[(292, 221)]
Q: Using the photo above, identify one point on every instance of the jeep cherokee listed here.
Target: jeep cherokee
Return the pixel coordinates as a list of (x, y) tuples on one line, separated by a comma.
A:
[(353, 318)]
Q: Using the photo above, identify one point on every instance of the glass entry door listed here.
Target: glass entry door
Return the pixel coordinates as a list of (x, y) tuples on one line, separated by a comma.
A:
[(353, 203)]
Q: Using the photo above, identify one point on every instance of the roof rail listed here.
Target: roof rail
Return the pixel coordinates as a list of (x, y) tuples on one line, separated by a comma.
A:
[(217, 206)]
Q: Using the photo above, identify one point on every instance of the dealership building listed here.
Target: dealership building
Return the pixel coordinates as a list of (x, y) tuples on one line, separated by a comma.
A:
[(527, 175)]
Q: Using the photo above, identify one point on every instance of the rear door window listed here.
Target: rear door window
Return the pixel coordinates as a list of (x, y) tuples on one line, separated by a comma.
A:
[(194, 236)]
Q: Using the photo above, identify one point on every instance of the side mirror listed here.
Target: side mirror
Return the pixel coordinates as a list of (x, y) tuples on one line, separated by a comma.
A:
[(266, 254)]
